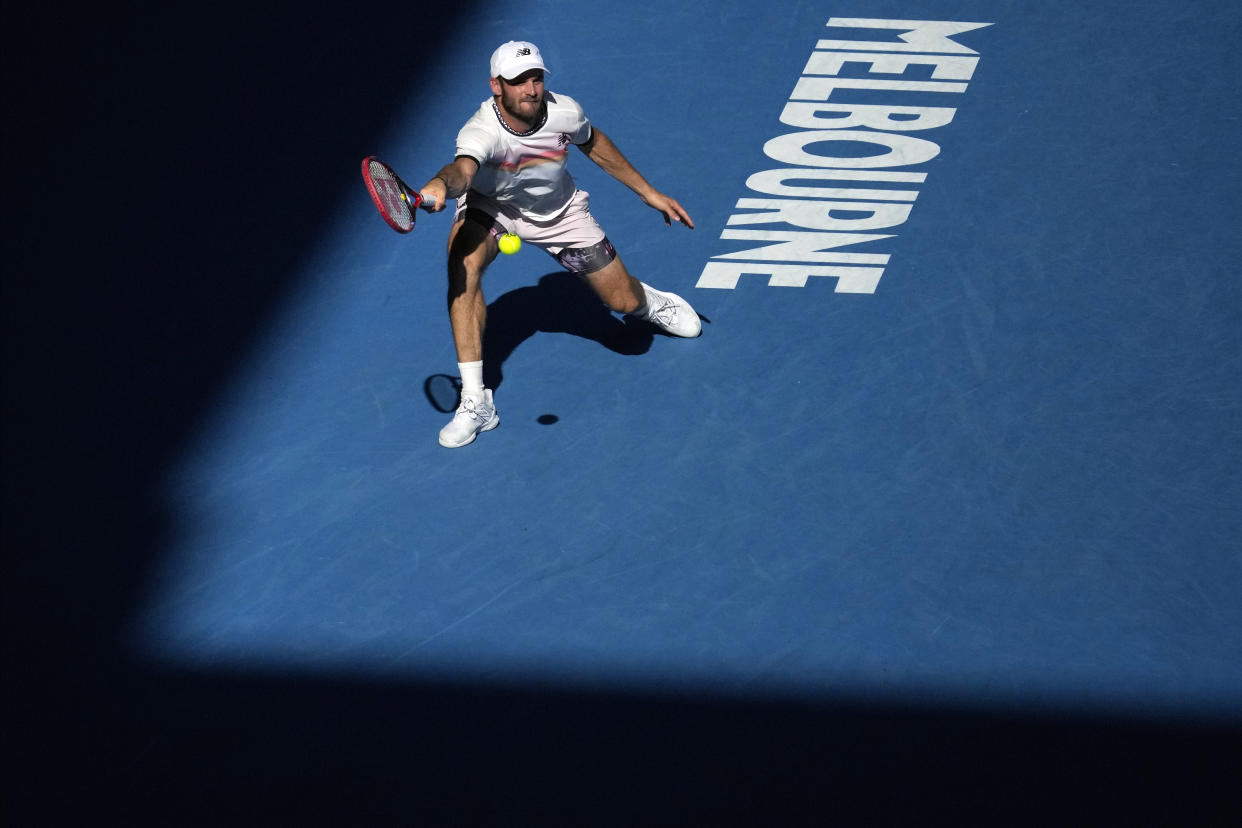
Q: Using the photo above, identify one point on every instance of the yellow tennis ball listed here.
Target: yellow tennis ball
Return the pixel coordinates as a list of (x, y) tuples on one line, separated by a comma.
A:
[(509, 243)]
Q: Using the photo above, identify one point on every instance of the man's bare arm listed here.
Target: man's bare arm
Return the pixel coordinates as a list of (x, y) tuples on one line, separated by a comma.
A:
[(450, 182), (604, 152)]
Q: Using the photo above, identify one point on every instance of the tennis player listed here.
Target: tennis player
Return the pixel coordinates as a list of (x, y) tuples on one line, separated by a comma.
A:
[(509, 176)]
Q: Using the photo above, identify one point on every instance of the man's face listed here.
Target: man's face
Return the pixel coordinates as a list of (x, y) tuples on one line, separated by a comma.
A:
[(521, 97)]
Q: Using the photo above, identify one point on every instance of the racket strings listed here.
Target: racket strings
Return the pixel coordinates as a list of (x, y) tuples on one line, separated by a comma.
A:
[(390, 194)]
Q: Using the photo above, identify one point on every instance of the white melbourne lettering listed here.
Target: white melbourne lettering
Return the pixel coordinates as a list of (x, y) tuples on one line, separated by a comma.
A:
[(844, 148)]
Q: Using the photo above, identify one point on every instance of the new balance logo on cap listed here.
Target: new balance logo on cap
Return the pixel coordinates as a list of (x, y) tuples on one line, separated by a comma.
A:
[(515, 57)]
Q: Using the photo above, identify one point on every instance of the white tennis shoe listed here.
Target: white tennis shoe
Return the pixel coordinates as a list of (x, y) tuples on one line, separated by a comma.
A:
[(475, 415), (671, 313)]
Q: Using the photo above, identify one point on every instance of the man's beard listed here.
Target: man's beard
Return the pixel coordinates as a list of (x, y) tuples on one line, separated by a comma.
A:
[(523, 109)]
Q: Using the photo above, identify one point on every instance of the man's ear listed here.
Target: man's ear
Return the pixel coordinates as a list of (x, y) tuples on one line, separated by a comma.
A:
[(495, 86)]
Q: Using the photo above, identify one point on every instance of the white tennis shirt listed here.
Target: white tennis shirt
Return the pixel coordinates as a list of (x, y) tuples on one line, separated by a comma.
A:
[(526, 171)]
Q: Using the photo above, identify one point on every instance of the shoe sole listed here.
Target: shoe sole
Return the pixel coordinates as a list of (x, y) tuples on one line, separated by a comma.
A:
[(495, 422), (666, 331), (694, 335)]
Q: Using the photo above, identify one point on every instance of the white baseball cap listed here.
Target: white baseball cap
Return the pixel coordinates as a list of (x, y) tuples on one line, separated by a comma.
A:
[(515, 57)]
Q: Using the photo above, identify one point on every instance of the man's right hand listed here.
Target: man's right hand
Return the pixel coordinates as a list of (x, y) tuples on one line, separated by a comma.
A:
[(457, 175), (435, 195)]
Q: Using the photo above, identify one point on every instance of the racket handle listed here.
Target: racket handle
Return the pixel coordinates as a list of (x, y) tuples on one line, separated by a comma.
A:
[(414, 197)]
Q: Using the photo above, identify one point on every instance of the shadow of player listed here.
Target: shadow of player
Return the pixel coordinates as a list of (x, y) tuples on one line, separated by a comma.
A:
[(559, 303)]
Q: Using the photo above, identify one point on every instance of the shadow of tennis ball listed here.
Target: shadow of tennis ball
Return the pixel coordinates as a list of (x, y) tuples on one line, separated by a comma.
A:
[(547, 419)]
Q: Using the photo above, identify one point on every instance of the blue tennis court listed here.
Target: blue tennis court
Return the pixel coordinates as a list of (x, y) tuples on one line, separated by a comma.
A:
[(937, 520)]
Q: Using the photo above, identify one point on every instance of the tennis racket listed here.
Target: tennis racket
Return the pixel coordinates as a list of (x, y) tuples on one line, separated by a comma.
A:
[(394, 199)]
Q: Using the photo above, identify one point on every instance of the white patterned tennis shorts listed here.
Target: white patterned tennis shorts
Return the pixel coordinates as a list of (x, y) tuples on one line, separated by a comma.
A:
[(574, 238)]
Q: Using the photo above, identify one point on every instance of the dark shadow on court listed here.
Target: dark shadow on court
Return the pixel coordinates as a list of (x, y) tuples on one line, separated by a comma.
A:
[(218, 749), (166, 171), (559, 303)]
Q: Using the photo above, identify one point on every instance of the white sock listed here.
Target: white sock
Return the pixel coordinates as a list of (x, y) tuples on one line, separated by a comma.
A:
[(471, 377)]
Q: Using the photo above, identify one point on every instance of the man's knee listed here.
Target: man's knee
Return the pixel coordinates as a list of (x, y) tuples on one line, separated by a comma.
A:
[(616, 287), (469, 254)]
